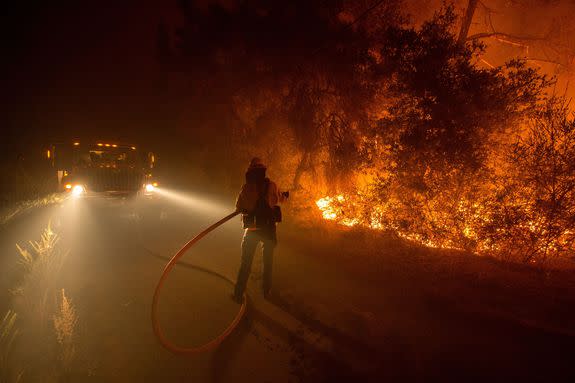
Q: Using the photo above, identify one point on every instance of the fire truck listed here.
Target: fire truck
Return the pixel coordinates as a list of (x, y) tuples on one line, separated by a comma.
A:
[(102, 168)]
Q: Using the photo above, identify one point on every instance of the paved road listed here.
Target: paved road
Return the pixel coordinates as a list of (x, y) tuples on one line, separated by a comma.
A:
[(116, 256), (405, 334)]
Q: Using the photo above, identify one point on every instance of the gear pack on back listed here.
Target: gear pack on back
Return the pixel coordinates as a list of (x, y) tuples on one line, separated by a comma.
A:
[(263, 213)]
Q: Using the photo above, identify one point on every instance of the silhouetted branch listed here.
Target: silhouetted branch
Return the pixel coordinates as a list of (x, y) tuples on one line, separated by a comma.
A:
[(471, 5), (504, 36)]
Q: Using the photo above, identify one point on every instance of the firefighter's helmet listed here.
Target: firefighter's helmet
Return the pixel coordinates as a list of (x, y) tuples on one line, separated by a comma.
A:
[(257, 163)]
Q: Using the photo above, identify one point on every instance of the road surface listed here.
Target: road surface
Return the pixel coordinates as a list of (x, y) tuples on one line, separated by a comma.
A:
[(116, 254), (325, 324)]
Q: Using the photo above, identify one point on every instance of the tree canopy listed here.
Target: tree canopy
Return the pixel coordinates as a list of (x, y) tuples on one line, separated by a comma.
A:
[(401, 122)]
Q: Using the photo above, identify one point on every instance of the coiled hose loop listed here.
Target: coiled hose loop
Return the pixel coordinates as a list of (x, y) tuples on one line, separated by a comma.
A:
[(169, 266)]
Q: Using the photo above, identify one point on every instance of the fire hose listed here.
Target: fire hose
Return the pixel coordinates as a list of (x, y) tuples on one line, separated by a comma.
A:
[(169, 345)]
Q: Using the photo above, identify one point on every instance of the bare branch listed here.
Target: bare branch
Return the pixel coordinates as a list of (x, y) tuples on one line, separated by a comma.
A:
[(505, 36), (487, 63), (466, 23), (544, 61)]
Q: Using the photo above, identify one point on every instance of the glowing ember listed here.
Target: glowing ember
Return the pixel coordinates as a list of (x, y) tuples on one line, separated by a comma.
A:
[(327, 211), (332, 210), (465, 234)]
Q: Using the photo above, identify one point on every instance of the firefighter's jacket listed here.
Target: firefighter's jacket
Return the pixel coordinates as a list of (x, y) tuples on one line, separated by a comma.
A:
[(246, 202)]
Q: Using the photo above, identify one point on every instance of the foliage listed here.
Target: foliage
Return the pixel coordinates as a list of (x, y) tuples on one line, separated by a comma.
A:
[(523, 211), (8, 335), (445, 110), (47, 317), (19, 208), (439, 155), (441, 132), (65, 322), (398, 125), (290, 71), (536, 199)]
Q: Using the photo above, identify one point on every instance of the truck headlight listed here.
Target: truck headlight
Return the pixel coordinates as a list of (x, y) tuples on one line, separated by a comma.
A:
[(78, 190), (150, 188)]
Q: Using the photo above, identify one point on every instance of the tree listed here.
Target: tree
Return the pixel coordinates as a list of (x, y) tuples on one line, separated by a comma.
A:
[(537, 195), (445, 109), (306, 57), (547, 42), (466, 22), (437, 144)]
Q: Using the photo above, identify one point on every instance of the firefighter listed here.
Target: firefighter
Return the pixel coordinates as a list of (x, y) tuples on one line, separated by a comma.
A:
[(258, 202)]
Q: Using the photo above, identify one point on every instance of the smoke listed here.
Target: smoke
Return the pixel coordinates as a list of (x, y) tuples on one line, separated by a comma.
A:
[(539, 31)]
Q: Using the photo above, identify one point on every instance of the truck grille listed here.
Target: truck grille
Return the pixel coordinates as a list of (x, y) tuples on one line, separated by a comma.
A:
[(115, 180)]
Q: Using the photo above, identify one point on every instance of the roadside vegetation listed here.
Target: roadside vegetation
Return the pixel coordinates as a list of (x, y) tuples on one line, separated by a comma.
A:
[(371, 121), (28, 184), (373, 282), (39, 331), (8, 336), (15, 209)]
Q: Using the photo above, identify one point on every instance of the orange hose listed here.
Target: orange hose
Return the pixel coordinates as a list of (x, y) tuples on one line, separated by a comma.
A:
[(169, 266)]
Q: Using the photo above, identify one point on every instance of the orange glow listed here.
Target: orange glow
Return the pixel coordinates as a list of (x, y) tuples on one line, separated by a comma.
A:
[(337, 209), (462, 234), (327, 210), (100, 144), (76, 143)]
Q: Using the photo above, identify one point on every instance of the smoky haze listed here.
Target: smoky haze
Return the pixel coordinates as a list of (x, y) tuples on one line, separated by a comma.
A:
[(540, 31), (83, 71), (80, 70), (429, 233)]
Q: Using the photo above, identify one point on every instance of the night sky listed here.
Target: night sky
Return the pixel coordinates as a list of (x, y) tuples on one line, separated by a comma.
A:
[(80, 69)]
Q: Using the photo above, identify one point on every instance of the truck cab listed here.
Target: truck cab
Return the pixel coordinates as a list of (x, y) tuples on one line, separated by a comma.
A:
[(102, 168)]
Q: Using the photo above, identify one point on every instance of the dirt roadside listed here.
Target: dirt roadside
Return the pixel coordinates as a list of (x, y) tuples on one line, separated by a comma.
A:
[(415, 311)]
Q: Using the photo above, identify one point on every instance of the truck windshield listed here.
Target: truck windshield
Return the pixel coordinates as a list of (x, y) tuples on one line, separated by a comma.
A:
[(110, 157)]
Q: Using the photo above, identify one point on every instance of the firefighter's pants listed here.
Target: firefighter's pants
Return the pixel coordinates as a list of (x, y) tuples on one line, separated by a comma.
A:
[(249, 245)]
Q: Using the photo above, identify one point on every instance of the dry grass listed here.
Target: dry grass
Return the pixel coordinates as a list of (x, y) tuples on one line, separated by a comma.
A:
[(65, 322), (8, 335), (17, 209), (42, 262), (48, 318)]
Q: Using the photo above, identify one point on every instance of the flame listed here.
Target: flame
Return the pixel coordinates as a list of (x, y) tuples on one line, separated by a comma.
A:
[(332, 210), (327, 211), (340, 209)]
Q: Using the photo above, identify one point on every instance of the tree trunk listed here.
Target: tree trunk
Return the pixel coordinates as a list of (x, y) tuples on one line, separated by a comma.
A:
[(301, 168), (466, 22)]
